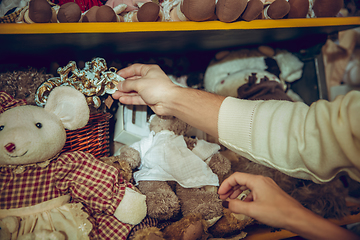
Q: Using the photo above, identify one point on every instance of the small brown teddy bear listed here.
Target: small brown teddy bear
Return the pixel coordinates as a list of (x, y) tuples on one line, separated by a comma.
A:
[(177, 174)]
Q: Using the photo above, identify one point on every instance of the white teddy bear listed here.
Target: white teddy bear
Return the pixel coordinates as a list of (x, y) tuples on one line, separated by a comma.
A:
[(231, 69), (48, 191)]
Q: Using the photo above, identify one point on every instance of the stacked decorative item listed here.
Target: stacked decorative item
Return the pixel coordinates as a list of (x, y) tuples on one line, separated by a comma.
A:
[(94, 81)]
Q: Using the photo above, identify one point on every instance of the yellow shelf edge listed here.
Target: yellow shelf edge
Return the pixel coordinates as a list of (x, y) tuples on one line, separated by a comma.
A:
[(58, 28)]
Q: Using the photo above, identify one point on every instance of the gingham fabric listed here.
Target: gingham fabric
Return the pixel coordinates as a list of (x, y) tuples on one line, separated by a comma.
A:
[(83, 177), (11, 18), (7, 102)]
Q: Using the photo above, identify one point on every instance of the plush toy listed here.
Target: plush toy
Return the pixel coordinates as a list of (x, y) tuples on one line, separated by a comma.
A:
[(230, 11), (342, 62), (69, 12), (124, 11), (279, 9), (226, 11), (23, 83), (70, 195), (38, 11), (194, 10), (177, 173), (42, 11), (229, 70), (314, 8), (146, 11)]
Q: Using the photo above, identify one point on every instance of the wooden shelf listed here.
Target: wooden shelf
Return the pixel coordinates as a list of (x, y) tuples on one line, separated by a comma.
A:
[(163, 36)]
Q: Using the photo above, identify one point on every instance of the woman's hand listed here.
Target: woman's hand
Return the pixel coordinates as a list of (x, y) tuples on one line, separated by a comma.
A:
[(145, 85), (269, 204)]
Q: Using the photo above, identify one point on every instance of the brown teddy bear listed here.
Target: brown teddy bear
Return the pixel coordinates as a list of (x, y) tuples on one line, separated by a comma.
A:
[(144, 12), (42, 11), (190, 191)]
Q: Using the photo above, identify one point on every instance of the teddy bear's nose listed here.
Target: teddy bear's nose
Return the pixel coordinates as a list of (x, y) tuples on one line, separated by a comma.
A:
[(10, 147)]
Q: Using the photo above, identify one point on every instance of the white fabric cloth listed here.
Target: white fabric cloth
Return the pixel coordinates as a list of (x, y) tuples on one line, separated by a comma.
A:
[(165, 157)]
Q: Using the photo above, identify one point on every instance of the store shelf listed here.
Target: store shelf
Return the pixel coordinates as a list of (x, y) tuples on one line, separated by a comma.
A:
[(163, 36), (40, 44)]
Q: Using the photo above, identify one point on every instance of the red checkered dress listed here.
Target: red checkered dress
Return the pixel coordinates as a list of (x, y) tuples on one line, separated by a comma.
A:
[(87, 180)]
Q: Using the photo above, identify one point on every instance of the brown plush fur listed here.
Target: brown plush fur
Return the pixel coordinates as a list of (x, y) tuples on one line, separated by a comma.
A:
[(199, 200), (183, 229), (229, 225), (151, 233), (168, 200), (22, 84), (124, 167), (161, 200)]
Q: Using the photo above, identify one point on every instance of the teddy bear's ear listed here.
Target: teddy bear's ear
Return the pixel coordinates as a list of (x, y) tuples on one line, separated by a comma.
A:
[(69, 105)]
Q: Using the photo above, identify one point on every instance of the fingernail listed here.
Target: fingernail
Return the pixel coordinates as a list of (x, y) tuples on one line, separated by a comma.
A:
[(225, 204)]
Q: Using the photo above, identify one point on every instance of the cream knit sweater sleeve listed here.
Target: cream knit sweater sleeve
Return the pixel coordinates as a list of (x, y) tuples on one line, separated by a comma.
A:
[(315, 142)]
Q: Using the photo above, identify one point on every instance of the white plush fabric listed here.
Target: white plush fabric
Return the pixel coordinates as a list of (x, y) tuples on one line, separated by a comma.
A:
[(165, 157), (70, 106), (132, 208)]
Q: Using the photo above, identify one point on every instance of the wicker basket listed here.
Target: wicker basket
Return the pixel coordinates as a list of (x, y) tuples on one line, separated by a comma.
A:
[(94, 138)]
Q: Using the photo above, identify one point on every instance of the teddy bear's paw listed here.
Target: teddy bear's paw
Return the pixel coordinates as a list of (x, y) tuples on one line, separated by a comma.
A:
[(196, 10), (199, 201), (230, 10), (322, 8), (39, 12), (151, 233), (229, 225), (298, 8), (190, 227), (278, 9), (131, 156), (162, 204), (148, 12), (253, 10), (220, 165), (194, 231), (209, 210)]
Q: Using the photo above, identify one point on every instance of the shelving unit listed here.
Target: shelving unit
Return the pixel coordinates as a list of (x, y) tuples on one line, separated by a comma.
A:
[(163, 36), (29, 43)]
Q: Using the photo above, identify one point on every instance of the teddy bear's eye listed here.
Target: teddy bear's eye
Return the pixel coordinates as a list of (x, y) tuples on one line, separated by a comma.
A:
[(38, 125), (2, 127)]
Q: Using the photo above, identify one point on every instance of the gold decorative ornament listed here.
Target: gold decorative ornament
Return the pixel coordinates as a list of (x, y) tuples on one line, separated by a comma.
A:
[(94, 81)]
